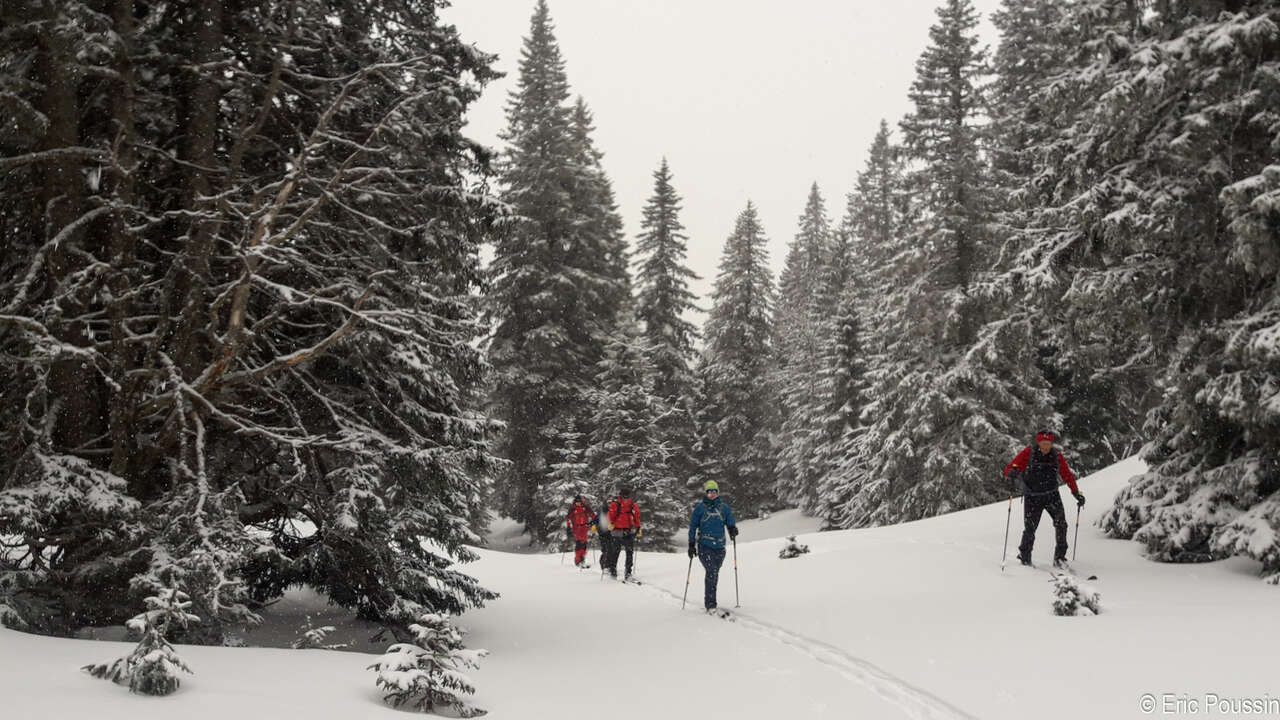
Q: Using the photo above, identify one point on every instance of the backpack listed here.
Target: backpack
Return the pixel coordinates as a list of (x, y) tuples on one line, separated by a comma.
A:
[(708, 512), (627, 508)]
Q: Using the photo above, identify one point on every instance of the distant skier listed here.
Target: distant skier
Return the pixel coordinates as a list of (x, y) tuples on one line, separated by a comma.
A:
[(577, 528), (624, 518), (707, 526), (1040, 468)]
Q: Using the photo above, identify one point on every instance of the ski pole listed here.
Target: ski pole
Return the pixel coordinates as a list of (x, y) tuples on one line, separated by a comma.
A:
[(1008, 518), (736, 601), (1076, 540), (687, 576)]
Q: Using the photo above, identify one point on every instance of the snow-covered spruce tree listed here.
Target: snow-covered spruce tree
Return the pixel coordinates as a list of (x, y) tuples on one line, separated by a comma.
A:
[(1082, 355), (876, 261), (845, 383), (801, 327), (956, 391), (558, 273), (627, 446), (429, 673), (1188, 197), (663, 305), (663, 298), (152, 668), (570, 477), (238, 290), (737, 413)]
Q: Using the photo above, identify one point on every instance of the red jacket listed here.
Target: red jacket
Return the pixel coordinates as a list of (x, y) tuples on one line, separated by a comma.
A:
[(1024, 459), (624, 514), (579, 521)]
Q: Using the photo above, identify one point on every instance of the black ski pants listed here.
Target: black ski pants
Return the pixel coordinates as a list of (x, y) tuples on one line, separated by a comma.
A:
[(622, 540), (1032, 507), (606, 547)]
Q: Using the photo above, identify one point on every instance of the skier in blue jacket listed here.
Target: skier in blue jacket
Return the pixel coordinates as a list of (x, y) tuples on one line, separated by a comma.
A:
[(711, 518)]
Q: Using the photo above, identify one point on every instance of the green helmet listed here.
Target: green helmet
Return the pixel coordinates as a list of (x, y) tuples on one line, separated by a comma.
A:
[(711, 485)]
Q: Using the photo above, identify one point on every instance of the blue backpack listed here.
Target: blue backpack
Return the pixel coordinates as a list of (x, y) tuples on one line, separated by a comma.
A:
[(711, 527)]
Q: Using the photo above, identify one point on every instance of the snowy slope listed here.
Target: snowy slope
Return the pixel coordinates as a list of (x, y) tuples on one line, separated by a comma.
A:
[(926, 603), (912, 621)]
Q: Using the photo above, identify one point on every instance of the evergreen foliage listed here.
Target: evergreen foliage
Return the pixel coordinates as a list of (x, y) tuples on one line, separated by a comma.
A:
[(737, 412), (628, 447), (1072, 598), (663, 306), (802, 331), (559, 275), (152, 668), (238, 290), (428, 674)]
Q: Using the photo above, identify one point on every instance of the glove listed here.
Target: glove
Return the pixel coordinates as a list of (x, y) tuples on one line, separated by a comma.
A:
[(733, 531), (1079, 499), (568, 534), (692, 552), (592, 530), (640, 533)]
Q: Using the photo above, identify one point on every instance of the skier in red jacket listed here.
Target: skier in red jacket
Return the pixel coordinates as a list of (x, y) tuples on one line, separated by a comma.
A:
[(624, 517), (577, 528), (1040, 468)]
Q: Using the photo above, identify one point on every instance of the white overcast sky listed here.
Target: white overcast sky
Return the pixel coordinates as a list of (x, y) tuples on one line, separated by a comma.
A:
[(747, 99)]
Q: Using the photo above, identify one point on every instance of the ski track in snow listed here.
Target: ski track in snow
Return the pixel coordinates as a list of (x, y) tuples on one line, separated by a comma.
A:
[(914, 701)]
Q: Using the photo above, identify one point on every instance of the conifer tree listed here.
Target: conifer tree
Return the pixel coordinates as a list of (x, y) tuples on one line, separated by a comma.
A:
[(627, 446), (663, 297), (956, 388), (152, 668), (664, 303), (737, 413), (559, 273), (801, 332), (1032, 100), (429, 673), (1169, 222), (238, 291)]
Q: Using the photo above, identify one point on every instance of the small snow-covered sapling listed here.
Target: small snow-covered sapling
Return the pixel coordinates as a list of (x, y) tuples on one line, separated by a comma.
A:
[(311, 637), (792, 548), (152, 668), (1072, 598), (427, 673)]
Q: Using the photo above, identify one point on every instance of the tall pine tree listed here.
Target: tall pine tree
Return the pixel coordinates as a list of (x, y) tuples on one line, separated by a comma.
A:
[(559, 274), (241, 256), (664, 303), (954, 395), (736, 412), (1033, 98), (801, 329), (1165, 192), (627, 445)]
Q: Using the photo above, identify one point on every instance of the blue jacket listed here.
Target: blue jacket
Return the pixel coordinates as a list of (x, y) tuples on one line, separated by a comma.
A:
[(710, 518)]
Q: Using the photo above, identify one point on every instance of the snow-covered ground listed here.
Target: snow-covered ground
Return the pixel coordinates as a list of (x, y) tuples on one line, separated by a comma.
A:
[(911, 621)]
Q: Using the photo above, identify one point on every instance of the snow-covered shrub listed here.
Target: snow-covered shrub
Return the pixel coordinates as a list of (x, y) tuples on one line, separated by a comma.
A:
[(311, 637), (792, 548), (9, 615), (1073, 598), (10, 618), (427, 673), (152, 668)]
